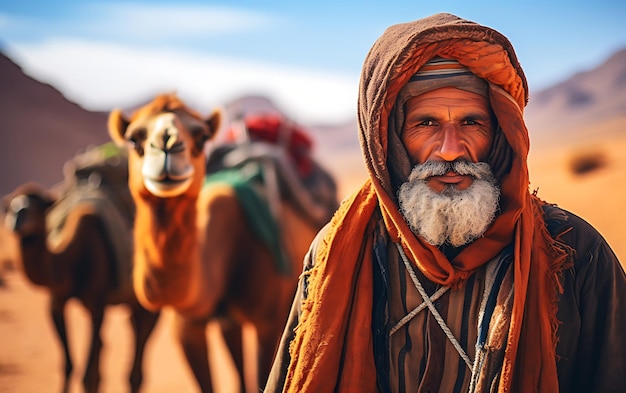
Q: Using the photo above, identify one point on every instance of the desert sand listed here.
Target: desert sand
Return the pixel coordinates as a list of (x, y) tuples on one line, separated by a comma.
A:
[(30, 355)]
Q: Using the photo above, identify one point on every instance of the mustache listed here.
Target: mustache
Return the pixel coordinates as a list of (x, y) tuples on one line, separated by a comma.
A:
[(478, 170)]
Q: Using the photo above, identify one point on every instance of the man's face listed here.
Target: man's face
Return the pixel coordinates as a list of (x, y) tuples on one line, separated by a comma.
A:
[(447, 124)]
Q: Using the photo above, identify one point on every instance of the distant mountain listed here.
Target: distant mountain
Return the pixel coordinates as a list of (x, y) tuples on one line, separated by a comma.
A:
[(582, 104), (40, 129)]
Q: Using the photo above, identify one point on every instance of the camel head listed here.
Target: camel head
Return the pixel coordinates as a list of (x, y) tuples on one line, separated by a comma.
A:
[(166, 146), (26, 209)]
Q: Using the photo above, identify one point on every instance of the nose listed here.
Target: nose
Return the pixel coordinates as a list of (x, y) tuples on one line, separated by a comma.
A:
[(451, 147), (166, 132)]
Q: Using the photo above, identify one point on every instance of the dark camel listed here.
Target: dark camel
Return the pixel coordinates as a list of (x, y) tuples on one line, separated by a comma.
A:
[(78, 264), (194, 250)]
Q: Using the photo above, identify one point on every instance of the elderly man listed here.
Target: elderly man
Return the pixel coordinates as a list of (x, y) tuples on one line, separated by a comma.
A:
[(443, 273)]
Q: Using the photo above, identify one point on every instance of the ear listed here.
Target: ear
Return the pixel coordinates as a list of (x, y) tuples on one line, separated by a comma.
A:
[(117, 127), (213, 122)]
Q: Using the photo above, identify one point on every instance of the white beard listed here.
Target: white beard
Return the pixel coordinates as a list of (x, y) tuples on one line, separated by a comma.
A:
[(452, 216)]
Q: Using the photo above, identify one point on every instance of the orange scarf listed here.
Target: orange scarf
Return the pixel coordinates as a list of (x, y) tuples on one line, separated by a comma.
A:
[(333, 348)]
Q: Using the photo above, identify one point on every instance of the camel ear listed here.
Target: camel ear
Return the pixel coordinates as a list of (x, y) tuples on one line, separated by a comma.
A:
[(213, 122), (117, 127)]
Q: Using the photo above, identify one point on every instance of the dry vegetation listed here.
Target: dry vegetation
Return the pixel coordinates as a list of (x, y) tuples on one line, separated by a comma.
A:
[(585, 161)]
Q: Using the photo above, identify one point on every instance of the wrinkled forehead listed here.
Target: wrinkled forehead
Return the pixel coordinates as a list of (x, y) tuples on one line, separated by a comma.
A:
[(453, 101)]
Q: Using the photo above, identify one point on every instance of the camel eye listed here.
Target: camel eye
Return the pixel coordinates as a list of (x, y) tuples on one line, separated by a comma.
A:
[(197, 132), (199, 136), (136, 138)]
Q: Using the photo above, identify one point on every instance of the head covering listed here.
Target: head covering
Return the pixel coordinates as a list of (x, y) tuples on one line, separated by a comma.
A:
[(333, 348), (438, 73)]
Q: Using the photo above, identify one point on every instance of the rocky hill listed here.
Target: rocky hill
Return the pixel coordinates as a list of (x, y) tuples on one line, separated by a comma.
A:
[(40, 129), (588, 105)]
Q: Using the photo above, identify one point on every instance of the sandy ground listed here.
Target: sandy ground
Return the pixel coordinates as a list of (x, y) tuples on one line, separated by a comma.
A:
[(30, 355)]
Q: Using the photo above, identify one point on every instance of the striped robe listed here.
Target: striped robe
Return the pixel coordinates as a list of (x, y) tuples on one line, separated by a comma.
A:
[(415, 349)]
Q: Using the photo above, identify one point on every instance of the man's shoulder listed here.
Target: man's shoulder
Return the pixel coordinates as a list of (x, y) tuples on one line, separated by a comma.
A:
[(309, 260), (376, 227), (563, 224), (589, 246)]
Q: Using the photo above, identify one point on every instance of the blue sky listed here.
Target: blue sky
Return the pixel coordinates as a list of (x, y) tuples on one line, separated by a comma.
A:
[(306, 56)]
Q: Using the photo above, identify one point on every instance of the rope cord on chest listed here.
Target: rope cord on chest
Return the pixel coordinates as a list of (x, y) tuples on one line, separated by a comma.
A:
[(428, 301)]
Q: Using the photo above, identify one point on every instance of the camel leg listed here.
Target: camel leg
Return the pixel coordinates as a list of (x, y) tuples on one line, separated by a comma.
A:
[(192, 337), (143, 322), (233, 337), (57, 310), (91, 379)]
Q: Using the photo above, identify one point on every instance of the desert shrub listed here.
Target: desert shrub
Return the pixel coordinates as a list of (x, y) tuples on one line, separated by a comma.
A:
[(586, 161)]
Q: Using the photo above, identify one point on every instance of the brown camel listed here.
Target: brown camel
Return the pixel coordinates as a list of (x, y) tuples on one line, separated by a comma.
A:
[(194, 248), (78, 263)]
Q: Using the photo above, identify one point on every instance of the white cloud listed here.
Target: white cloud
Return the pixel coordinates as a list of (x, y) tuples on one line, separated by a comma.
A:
[(155, 21), (145, 23), (104, 76)]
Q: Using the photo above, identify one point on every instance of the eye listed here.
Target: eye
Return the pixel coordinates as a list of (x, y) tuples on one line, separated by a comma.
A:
[(136, 138), (199, 136), (427, 123), (477, 120), (197, 132)]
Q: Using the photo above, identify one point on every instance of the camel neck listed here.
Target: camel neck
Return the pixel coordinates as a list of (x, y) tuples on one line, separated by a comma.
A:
[(166, 230), (167, 251)]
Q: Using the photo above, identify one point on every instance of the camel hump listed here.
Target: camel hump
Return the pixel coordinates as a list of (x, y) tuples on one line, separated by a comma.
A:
[(104, 167), (97, 181)]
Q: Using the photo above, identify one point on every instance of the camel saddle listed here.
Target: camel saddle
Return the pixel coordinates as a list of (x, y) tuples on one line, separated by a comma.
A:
[(265, 168), (282, 149)]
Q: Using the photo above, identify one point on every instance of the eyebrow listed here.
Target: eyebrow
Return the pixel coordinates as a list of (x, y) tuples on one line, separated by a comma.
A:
[(477, 115), (430, 116)]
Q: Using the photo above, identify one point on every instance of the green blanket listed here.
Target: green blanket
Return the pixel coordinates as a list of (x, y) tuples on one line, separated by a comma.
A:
[(255, 207)]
